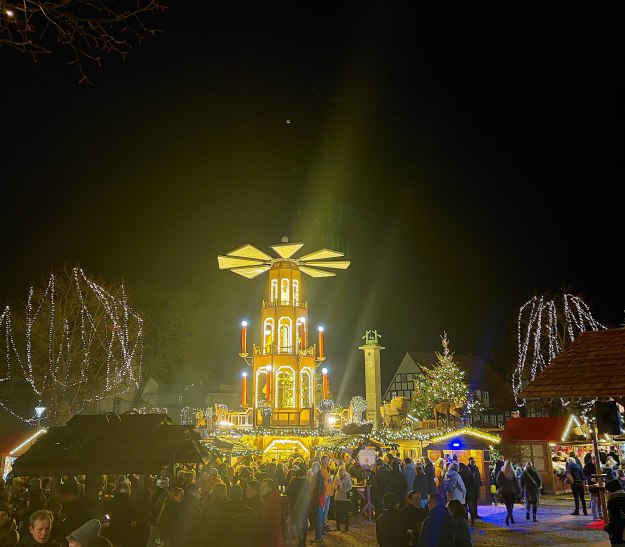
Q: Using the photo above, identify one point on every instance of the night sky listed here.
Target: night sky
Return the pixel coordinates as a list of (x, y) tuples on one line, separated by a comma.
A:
[(466, 157)]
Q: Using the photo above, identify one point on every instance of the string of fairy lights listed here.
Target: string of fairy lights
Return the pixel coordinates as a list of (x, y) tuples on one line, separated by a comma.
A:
[(94, 343), (543, 331)]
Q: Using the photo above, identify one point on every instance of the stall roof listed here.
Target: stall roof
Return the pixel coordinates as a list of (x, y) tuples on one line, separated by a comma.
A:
[(547, 429), (592, 366), (9, 440), (230, 447), (102, 444)]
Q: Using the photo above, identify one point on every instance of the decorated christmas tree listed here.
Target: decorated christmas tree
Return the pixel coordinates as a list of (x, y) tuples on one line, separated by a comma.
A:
[(443, 382)]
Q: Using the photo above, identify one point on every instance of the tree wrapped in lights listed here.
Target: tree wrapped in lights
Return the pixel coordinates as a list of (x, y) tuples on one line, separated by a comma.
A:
[(545, 327), (74, 343), (443, 382), (359, 405)]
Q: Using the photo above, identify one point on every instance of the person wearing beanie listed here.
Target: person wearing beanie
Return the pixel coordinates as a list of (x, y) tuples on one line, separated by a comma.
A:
[(86, 534), (9, 536), (616, 510)]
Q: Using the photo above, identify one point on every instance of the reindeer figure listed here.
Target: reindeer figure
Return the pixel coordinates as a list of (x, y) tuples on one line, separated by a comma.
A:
[(448, 412)]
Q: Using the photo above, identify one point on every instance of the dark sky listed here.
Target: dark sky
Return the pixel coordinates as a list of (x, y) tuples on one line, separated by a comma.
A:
[(475, 151)]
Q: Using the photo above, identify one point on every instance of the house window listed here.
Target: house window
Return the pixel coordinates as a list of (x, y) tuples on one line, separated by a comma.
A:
[(117, 405), (485, 399)]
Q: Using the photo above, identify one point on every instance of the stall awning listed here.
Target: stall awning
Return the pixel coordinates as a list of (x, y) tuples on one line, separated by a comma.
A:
[(103, 444), (546, 429), (592, 366), (10, 440), (225, 446)]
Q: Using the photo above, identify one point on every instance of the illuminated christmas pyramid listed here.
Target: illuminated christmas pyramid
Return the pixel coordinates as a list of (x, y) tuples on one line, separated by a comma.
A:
[(284, 364)]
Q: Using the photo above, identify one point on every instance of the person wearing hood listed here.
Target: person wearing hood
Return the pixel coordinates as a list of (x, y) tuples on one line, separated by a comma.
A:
[(9, 536), (454, 485), (439, 527), (409, 473), (616, 512), (85, 535)]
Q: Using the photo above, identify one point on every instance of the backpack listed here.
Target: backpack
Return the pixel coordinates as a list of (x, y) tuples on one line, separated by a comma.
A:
[(448, 485)]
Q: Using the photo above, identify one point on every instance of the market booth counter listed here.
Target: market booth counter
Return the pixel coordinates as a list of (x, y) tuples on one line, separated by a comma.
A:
[(546, 442), (465, 443)]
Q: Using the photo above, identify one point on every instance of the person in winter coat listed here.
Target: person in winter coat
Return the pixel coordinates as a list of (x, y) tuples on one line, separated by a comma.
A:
[(590, 475), (454, 485), (270, 519), (123, 515), (342, 489), (439, 475), (531, 483), (477, 484), (576, 475), (463, 532), (189, 527), (409, 472), (439, 527), (211, 511), (397, 483), (616, 512), (422, 485), (509, 489), (469, 484), (390, 528), (299, 492), (169, 513), (379, 479), (238, 524), (9, 536), (428, 467), (252, 496), (413, 515), (317, 501), (40, 528), (86, 534)]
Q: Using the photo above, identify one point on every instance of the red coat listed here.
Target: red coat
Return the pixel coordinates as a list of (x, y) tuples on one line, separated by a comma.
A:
[(271, 514)]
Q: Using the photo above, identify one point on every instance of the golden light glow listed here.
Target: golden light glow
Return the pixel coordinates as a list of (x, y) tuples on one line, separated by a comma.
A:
[(251, 271), (316, 273), (287, 250), (321, 254), (226, 262), (493, 439), (339, 264), (572, 420), (273, 444), (249, 251), (30, 439)]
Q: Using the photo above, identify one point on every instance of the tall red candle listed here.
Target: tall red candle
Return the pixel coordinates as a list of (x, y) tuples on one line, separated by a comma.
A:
[(268, 383), (244, 389), (321, 355), (244, 337), (325, 383)]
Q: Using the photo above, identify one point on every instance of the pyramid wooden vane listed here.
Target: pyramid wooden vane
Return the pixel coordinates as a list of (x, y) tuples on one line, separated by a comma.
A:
[(249, 261)]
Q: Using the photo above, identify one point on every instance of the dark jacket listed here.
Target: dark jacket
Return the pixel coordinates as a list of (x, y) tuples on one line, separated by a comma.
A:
[(439, 529), (255, 503), (9, 535), (397, 484), (508, 487), (380, 479), (429, 471), (299, 492), (413, 517), (237, 526), (189, 526), (390, 529), (476, 475), (167, 518), (123, 513), (422, 484), (616, 522), (531, 484), (469, 483), (575, 471), (27, 540), (463, 533)]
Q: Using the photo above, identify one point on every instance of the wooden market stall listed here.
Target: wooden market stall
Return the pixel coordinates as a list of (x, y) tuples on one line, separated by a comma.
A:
[(590, 368), (546, 442), (465, 442), (13, 444)]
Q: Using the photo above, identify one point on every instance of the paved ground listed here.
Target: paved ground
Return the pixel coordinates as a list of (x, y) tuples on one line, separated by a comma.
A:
[(555, 527)]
